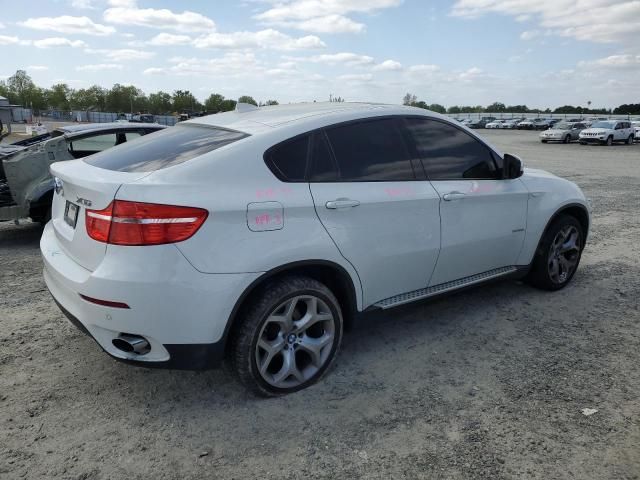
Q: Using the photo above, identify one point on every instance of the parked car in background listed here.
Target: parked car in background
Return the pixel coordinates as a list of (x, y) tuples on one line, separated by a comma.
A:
[(480, 122), (26, 187), (257, 235), (636, 130), (494, 124), (606, 132), (143, 118), (527, 124), (510, 124), (564, 132)]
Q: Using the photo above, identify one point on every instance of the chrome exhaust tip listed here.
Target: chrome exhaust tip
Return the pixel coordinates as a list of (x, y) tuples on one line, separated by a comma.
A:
[(132, 344)]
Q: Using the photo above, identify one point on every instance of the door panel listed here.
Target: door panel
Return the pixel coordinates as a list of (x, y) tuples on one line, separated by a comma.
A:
[(391, 237), (482, 229)]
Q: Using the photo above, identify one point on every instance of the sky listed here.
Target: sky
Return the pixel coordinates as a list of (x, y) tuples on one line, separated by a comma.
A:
[(542, 53)]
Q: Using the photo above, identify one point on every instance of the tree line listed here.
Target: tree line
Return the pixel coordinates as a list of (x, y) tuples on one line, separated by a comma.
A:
[(497, 107), (20, 89)]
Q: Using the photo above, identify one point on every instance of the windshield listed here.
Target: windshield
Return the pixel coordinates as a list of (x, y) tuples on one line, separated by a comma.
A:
[(562, 126), (608, 125)]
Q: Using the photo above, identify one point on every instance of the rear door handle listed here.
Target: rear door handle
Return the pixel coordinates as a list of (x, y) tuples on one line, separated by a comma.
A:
[(453, 196), (341, 203)]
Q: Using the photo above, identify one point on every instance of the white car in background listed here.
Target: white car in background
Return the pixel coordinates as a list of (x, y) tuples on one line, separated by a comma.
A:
[(564, 132), (510, 124), (606, 132), (256, 235), (494, 124), (636, 130)]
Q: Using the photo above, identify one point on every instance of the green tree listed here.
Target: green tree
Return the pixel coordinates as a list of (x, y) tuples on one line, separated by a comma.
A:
[(454, 109), (436, 107), (21, 85), (124, 98), (214, 102), (409, 99), (159, 103), (627, 109), (58, 96), (228, 105), (271, 102), (247, 99), (496, 107), (92, 98), (183, 100)]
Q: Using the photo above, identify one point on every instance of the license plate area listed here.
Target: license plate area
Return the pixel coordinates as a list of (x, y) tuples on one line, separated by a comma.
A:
[(71, 214)]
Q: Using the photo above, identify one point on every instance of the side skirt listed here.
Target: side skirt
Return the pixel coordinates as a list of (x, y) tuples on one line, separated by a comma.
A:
[(443, 288)]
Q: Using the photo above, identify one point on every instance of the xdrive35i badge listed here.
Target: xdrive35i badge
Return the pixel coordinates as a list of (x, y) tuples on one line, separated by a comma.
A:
[(58, 186), (83, 201)]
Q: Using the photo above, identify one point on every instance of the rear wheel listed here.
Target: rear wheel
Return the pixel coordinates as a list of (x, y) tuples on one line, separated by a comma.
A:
[(289, 336), (558, 254), (630, 140)]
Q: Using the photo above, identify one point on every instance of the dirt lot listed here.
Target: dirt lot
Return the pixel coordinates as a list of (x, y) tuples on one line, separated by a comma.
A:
[(489, 383)]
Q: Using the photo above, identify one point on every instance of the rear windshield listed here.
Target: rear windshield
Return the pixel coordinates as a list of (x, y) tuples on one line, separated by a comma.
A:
[(164, 148)]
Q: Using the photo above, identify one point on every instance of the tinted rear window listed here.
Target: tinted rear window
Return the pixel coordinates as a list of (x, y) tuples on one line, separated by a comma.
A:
[(164, 148)]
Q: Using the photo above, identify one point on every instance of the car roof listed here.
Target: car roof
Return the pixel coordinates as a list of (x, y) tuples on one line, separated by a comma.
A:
[(269, 118), (72, 130)]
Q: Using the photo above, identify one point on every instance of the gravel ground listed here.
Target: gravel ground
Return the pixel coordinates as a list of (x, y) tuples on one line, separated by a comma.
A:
[(489, 383)]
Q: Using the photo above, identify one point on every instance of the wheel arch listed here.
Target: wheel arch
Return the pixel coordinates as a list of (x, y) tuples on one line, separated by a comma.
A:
[(576, 210), (333, 275)]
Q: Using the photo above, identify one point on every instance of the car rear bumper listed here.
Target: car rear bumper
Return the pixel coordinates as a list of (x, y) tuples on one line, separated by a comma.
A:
[(181, 312)]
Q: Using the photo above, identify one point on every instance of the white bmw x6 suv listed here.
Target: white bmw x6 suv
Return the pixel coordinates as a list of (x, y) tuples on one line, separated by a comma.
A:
[(257, 235)]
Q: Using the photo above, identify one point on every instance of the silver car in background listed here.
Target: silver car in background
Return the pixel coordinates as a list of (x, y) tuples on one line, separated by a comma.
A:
[(564, 132)]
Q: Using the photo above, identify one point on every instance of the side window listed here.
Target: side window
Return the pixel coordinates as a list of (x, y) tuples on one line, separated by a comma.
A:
[(369, 151), (85, 146), (449, 153), (288, 160), (324, 166)]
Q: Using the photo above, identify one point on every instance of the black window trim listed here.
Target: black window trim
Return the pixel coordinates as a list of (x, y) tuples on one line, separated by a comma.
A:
[(492, 153)]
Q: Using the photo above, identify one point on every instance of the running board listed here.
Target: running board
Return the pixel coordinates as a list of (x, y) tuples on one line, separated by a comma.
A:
[(442, 288)]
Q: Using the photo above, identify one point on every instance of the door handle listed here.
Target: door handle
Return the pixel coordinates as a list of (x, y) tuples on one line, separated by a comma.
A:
[(453, 196), (341, 203)]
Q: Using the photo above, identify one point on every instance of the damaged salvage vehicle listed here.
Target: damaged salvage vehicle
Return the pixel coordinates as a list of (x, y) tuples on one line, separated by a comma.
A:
[(26, 186), (258, 235)]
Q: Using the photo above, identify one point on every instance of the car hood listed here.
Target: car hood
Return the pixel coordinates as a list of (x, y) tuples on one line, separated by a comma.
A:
[(596, 130)]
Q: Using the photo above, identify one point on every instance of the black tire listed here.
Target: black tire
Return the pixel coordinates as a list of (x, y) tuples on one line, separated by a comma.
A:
[(630, 140), (245, 336), (567, 139), (544, 141), (540, 276), (583, 143), (609, 141)]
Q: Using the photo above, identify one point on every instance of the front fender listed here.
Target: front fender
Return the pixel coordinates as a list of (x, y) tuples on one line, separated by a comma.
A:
[(548, 195)]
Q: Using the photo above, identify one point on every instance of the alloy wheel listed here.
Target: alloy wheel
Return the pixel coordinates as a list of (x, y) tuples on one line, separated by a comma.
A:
[(295, 341), (564, 254)]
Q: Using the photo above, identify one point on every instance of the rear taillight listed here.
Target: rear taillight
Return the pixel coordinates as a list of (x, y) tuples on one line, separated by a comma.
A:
[(136, 223)]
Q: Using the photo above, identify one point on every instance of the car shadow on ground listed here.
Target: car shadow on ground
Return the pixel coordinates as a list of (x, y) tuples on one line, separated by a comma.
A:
[(25, 235), (397, 334)]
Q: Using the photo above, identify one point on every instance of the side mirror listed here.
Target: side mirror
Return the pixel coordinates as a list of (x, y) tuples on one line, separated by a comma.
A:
[(513, 166)]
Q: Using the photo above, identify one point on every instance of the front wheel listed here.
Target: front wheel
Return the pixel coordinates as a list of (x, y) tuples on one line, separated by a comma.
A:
[(558, 254), (609, 141), (289, 336), (567, 139), (630, 140)]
